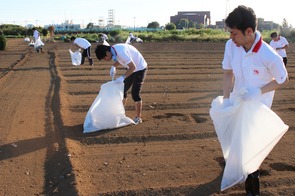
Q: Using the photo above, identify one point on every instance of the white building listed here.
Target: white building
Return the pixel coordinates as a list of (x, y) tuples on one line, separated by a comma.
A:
[(67, 25)]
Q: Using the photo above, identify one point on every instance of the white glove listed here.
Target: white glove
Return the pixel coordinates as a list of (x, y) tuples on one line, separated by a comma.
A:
[(251, 94), (113, 71), (120, 79), (226, 102)]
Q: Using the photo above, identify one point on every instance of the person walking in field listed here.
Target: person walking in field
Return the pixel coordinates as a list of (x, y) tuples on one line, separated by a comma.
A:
[(36, 34), (250, 63), (85, 45), (279, 44), (37, 40), (130, 58)]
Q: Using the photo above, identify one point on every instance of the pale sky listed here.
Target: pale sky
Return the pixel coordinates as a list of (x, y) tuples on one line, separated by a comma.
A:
[(133, 12)]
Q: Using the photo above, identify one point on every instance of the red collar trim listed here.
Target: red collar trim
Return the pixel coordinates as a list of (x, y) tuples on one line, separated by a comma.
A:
[(257, 46)]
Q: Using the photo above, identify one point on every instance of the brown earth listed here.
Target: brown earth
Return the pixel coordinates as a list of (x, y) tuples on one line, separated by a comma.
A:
[(175, 151)]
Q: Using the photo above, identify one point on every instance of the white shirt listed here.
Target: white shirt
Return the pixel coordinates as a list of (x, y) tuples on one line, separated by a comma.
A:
[(126, 54), (36, 34), (104, 36), (82, 43), (281, 42), (255, 68), (131, 35)]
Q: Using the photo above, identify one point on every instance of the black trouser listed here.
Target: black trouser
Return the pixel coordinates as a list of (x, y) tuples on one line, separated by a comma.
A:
[(135, 80), (86, 53), (252, 186), (285, 60)]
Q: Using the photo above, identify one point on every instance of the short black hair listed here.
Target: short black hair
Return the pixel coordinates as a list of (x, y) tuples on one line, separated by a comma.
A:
[(101, 51), (242, 18), (73, 38), (274, 35)]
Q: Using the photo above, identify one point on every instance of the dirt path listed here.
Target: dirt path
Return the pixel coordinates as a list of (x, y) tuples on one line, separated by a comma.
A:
[(44, 100), (32, 143)]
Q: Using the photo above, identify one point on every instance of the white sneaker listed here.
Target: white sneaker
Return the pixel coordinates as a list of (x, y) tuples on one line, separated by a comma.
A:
[(137, 120)]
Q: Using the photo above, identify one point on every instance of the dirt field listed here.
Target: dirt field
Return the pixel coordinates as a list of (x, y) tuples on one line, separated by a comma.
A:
[(175, 151)]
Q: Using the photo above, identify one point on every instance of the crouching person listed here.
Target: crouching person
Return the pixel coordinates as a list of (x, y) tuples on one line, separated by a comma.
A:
[(129, 57)]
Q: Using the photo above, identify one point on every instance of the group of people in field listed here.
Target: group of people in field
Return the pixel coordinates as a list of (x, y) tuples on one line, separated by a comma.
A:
[(249, 63)]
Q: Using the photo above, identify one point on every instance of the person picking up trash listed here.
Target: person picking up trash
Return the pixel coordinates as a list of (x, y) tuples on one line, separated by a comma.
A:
[(103, 38), (246, 126), (129, 57), (38, 44), (85, 45)]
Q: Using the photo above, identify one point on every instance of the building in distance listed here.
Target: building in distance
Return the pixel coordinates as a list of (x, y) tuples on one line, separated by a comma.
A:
[(67, 25), (198, 17)]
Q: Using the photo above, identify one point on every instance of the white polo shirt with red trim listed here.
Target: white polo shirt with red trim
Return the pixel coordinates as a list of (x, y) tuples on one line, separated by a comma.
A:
[(281, 42), (255, 68)]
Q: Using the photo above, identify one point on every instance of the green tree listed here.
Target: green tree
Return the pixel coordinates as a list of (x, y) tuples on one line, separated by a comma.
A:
[(192, 24), (185, 24), (153, 25), (285, 23), (2, 42), (182, 24), (285, 28), (90, 25), (170, 26), (115, 33), (44, 32), (9, 29)]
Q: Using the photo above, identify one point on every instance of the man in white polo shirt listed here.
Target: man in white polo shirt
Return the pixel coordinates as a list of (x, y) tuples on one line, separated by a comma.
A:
[(136, 68), (279, 44), (85, 45), (250, 63)]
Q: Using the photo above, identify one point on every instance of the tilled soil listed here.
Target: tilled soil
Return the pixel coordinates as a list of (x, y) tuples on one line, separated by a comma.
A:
[(175, 151)]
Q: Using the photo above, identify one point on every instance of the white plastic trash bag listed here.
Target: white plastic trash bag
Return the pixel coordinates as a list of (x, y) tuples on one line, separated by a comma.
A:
[(105, 43), (27, 39), (76, 57), (247, 132), (139, 40), (107, 111), (32, 43), (38, 44), (136, 39), (128, 40)]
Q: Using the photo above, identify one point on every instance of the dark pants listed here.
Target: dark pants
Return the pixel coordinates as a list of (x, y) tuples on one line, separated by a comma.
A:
[(86, 53), (135, 80), (132, 40), (285, 60), (252, 186)]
